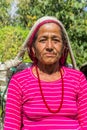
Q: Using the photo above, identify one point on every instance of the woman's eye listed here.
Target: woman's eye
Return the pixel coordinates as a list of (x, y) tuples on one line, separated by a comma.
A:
[(56, 40), (42, 40)]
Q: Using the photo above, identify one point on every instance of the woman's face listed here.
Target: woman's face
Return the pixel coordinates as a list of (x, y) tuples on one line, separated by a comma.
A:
[(48, 46)]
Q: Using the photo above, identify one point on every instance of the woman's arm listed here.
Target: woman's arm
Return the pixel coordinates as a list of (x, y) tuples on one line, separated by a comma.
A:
[(13, 106), (82, 102)]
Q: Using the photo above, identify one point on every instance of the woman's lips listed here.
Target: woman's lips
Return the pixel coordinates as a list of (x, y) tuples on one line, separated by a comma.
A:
[(49, 54)]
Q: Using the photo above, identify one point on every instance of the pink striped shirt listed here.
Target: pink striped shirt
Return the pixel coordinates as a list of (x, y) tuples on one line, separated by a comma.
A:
[(25, 109)]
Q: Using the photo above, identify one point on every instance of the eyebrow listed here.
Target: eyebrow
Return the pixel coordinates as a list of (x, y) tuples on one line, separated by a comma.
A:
[(53, 36)]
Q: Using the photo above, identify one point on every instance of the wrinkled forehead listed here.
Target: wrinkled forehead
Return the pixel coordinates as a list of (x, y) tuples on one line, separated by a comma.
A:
[(50, 26), (37, 28), (48, 30)]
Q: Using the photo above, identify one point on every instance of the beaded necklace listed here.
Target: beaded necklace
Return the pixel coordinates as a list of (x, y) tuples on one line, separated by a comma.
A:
[(61, 102)]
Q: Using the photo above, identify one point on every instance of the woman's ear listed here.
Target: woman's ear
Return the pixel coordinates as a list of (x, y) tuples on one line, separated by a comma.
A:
[(63, 49), (33, 50)]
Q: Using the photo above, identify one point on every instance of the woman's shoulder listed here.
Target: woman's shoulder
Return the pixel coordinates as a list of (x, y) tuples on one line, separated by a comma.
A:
[(23, 73), (72, 71)]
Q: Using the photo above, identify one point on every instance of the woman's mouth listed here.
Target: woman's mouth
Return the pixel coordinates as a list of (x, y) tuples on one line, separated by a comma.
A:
[(49, 54)]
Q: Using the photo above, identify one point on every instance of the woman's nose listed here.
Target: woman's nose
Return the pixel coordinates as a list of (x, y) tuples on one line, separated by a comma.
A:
[(49, 44)]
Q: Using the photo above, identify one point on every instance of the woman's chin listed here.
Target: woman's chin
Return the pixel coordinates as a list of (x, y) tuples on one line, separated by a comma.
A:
[(50, 62)]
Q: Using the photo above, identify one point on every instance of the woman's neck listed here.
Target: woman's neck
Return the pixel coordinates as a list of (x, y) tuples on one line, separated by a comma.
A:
[(48, 69), (47, 72)]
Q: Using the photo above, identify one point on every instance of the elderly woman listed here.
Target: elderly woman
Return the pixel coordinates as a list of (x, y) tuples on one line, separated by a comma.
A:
[(47, 95)]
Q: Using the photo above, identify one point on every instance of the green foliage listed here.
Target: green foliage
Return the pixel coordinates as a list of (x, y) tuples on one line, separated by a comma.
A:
[(11, 39), (4, 15), (26, 18)]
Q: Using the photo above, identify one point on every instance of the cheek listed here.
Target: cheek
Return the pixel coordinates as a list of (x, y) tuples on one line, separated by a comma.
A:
[(38, 49), (59, 49), (36, 52)]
